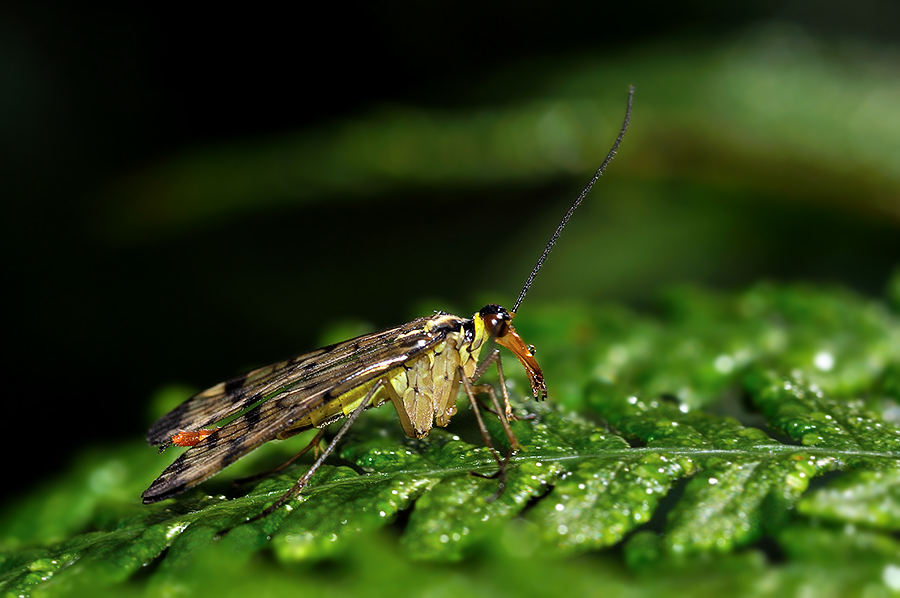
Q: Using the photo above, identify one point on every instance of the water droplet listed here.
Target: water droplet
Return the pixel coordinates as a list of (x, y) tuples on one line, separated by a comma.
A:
[(724, 364), (824, 361), (891, 577)]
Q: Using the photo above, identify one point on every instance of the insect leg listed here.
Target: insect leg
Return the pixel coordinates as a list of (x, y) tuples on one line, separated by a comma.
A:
[(494, 357), (304, 479), (486, 436), (313, 445), (489, 390), (402, 413)]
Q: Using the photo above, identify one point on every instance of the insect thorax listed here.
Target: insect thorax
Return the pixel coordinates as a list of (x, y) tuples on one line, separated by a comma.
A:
[(424, 388), (428, 386)]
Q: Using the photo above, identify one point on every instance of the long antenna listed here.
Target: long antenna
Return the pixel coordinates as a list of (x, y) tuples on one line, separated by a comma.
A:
[(565, 220)]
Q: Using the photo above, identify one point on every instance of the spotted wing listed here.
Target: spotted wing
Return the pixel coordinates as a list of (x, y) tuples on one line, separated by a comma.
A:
[(289, 391), (237, 394)]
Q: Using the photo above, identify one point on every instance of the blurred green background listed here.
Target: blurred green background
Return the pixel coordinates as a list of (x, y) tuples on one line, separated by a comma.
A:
[(188, 193)]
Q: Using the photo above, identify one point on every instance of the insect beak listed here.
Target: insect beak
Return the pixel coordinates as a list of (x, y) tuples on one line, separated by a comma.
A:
[(512, 341)]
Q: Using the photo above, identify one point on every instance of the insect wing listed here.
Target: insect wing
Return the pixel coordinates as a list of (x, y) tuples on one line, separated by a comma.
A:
[(237, 394), (292, 390), (228, 398)]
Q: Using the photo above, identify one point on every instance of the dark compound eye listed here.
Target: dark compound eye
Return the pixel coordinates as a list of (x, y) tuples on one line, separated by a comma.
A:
[(496, 320), (498, 325)]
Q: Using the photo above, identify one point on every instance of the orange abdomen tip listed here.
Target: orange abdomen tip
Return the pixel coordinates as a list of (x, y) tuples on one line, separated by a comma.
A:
[(190, 438)]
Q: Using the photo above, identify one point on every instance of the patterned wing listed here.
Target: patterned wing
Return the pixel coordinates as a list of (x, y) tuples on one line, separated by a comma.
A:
[(237, 394), (291, 390)]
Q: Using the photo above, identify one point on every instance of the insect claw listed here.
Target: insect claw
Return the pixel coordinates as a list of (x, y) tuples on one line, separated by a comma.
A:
[(501, 485), (500, 474), (485, 476)]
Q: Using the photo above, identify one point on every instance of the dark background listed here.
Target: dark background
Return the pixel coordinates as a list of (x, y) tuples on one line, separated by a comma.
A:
[(96, 323)]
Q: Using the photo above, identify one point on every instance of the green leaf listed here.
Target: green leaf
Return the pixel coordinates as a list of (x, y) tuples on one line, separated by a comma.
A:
[(697, 435), (864, 498)]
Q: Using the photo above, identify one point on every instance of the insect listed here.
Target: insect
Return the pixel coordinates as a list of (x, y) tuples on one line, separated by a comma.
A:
[(418, 367)]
